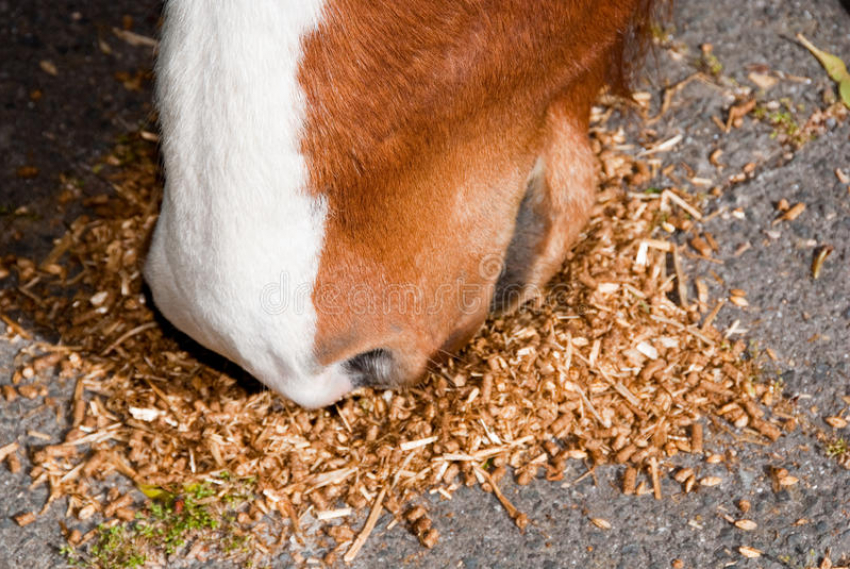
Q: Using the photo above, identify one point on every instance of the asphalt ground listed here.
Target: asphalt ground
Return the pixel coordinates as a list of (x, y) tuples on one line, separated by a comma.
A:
[(96, 95)]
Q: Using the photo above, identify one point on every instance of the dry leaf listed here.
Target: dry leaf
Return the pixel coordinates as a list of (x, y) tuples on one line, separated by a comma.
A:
[(834, 66)]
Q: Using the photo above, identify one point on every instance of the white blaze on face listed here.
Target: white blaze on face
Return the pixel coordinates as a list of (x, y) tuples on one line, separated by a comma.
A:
[(236, 250)]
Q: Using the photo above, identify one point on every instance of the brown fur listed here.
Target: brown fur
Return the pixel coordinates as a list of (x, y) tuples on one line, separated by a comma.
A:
[(424, 122)]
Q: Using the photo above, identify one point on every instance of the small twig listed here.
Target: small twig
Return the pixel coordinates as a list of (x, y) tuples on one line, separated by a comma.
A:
[(127, 335), (669, 93), (681, 282), (590, 472), (7, 450), (16, 328), (680, 326), (593, 411), (662, 146), (284, 506), (692, 255), (31, 295), (333, 514), (410, 445), (134, 39), (377, 508), (620, 388), (656, 483), (682, 204), (520, 519), (712, 315)]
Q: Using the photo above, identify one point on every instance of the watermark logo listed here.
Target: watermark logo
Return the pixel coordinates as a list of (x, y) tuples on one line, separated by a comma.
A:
[(461, 296)]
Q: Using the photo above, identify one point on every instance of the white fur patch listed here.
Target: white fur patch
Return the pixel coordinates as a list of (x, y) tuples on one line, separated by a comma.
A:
[(236, 250)]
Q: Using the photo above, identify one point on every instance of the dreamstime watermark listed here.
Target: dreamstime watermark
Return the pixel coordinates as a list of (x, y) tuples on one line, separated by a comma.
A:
[(460, 296)]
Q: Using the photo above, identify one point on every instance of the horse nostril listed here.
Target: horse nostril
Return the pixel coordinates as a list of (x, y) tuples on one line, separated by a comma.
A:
[(371, 369)]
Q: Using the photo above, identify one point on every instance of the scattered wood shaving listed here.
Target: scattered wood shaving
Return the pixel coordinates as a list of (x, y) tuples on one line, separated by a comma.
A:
[(609, 370)]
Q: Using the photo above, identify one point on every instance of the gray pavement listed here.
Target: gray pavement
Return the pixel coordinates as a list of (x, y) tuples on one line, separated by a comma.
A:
[(806, 322)]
